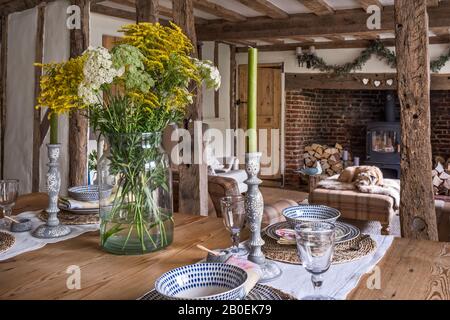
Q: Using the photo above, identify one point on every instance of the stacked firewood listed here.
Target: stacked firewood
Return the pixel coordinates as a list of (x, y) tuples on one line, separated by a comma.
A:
[(441, 179), (330, 158)]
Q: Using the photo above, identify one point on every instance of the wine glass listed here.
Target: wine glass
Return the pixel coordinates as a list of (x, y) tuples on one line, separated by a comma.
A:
[(233, 212), (315, 244), (9, 190)]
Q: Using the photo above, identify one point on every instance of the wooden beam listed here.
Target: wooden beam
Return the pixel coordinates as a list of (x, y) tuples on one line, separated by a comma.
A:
[(45, 126), (246, 43), (271, 40), (354, 81), (218, 10), (365, 4), (343, 44), (417, 209), (19, 5), (318, 7), (78, 123), (233, 66), (113, 12), (146, 11), (343, 22), (3, 78), (432, 3), (265, 7), (217, 92), (39, 56), (193, 184)]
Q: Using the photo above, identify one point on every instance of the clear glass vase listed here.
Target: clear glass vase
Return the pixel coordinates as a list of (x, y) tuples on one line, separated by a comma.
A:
[(135, 183)]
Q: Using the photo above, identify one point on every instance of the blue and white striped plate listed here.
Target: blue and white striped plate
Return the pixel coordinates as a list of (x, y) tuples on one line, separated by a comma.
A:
[(259, 292), (344, 231), (203, 281), (304, 213)]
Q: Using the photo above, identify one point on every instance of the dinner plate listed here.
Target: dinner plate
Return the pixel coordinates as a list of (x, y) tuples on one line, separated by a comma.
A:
[(344, 231), (259, 292)]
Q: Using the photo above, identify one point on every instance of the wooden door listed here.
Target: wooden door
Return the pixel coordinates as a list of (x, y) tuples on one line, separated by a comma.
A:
[(269, 115)]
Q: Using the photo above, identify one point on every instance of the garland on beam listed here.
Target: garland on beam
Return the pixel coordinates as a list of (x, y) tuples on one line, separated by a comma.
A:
[(376, 47)]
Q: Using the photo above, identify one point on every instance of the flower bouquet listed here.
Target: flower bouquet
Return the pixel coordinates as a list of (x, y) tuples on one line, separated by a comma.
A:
[(130, 94)]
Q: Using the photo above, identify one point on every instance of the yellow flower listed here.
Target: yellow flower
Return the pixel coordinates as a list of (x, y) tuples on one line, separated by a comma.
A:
[(59, 85)]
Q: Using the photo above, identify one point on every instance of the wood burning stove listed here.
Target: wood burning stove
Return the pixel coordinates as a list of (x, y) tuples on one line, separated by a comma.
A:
[(383, 142)]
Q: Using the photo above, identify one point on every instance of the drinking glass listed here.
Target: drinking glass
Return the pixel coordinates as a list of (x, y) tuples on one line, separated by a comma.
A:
[(9, 190), (315, 244), (233, 213)]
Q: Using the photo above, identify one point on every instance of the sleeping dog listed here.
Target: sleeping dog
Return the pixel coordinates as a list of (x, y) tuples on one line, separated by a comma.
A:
[(362, 176)]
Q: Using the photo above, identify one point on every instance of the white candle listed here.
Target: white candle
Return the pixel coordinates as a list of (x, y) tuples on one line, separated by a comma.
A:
[(345, 155), (356, 161)]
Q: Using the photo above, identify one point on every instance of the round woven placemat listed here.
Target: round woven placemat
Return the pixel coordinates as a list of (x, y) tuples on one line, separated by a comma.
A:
[(72, 219), (283, 295), (7, 240), (344, 252)]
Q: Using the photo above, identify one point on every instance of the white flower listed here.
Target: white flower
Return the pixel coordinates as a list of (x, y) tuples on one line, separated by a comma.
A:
[(97, 71)]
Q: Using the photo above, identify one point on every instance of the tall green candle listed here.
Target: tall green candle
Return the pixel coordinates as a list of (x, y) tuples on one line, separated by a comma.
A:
[(54, 128), (251, 99)]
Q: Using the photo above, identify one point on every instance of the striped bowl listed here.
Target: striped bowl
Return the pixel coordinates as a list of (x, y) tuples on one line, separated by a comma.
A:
[(305, 213), (203, 281)]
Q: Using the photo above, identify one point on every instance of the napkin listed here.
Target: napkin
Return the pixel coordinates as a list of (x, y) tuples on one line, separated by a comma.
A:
[(69, 203), (253, 271)]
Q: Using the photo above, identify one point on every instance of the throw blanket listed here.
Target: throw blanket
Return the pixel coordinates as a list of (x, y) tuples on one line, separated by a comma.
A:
[(390, 187)]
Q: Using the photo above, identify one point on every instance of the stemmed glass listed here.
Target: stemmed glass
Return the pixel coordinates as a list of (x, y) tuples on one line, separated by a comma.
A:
[(233, 213), (9, 190), (315, 244)]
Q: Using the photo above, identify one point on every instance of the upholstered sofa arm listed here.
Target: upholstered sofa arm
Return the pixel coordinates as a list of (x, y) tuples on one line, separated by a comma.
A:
[(219, 187)]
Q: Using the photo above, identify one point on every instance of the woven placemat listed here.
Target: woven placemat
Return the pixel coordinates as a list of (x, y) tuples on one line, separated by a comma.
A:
[(344, 252), (259, 292), (7, 240), (71, 219)]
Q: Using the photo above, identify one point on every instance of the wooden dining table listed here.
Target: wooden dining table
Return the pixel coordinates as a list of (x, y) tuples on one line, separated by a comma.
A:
[(411, 269)]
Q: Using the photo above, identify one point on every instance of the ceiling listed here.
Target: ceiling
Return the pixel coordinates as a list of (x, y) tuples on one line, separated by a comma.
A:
[(233, 13)]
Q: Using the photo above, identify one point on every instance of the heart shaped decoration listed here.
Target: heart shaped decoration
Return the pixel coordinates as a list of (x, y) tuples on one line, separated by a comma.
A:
[(365, 81), (377, 83), (389, 82)]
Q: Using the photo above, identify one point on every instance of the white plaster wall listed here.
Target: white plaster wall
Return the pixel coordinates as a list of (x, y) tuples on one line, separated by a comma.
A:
[(223, 121), (104, 25), (20, 93), (56, 49)]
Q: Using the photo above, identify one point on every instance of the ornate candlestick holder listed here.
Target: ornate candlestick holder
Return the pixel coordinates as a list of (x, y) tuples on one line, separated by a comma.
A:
[(52, 229), (254, 206)]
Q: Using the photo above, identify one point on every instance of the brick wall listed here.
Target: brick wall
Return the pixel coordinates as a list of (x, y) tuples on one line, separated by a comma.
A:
[(330, 116)]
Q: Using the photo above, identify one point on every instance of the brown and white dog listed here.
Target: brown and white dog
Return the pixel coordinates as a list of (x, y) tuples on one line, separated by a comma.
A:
[(362, 176)]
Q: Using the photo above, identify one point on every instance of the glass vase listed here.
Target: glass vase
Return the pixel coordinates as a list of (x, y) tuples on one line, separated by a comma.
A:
[(135, 181)]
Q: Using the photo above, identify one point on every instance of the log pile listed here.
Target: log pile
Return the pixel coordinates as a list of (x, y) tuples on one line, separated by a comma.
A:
[(330, 158), (441, 179)]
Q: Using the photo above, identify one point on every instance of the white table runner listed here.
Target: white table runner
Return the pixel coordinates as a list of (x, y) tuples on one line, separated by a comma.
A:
[(339, 280), (25, 242)]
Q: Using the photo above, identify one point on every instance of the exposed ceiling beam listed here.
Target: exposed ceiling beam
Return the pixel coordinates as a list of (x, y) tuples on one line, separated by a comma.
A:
[(367, 3), (11, 6), (113, 12), (319, 7), (246, 43), (271, 40), (343, 22), (265, 7), (218, 10), (343, 44)]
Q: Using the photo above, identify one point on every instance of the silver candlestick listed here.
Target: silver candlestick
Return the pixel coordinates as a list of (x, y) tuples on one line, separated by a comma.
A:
[(52, 229), (254, 207)]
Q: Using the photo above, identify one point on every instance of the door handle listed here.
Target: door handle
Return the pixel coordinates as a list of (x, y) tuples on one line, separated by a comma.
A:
[(239, 102)]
